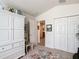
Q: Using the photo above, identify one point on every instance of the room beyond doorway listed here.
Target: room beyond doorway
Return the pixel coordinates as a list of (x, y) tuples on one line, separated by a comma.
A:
[(41, 33)]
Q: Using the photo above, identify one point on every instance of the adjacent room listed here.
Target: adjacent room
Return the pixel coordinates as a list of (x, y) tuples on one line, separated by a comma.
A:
[(39, 29)]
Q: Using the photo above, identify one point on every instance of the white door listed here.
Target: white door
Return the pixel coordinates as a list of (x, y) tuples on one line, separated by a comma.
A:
[(61, 34), (4, 48), (33, 31), (18, 22), (73, 42)]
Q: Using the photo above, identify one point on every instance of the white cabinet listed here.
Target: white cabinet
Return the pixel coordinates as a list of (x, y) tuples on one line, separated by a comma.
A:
[(61, 34), (11, 34)]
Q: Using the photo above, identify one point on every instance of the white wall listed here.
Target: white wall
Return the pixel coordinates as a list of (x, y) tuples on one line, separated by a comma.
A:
[(58, 11)]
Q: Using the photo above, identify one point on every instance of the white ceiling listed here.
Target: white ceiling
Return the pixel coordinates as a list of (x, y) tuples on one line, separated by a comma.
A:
[(35, 7)]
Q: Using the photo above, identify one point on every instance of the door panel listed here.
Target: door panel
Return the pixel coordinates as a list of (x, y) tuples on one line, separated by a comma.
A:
[(61, 34)]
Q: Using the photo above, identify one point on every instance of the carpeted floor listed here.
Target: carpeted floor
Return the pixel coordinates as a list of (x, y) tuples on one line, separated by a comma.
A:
[(47, 53)]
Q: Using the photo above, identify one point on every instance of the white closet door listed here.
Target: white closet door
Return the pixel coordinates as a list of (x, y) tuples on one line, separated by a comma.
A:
[(18, 35), (4, 21), (72, 30), (18, 22), (61, 34)]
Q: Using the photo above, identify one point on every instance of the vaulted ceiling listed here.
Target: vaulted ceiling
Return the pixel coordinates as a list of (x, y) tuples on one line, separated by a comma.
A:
[(36, 7)]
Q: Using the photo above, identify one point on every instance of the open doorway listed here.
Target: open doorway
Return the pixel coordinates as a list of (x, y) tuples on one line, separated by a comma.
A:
[(41, 33)]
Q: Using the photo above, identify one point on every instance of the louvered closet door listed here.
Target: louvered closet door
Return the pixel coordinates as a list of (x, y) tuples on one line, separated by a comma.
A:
[(61, 34), (73, 42)]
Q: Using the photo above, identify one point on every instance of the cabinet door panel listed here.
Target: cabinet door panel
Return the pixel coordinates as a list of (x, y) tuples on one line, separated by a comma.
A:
[(4, 21), (18, 22), (18, 35), (61, 34), (4, 35)]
